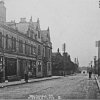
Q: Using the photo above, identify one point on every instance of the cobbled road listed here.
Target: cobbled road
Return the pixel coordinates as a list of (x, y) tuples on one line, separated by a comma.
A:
[(69, 87)]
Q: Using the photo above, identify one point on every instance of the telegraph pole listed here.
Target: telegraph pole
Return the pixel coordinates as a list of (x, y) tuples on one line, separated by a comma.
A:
[(99, 60), (94, 64), (64, 49), (98, 45), (91, 66)]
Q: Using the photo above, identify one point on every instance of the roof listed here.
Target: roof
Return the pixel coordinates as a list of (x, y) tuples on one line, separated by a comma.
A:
[(23, 25), (45, 35), (54, 53), (82, 68)]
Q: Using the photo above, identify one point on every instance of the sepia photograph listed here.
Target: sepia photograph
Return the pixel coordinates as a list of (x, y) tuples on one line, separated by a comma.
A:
[(50, 49)]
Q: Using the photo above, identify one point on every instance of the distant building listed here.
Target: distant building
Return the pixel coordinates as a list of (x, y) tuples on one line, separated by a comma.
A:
[(47, 52), (96, 67), (62, 64), (76, 62), (2, 12), (23, 47), (57, 63), (83, 70)]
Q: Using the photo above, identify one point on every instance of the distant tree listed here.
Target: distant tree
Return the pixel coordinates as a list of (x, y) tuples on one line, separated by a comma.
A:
[(63, 63)]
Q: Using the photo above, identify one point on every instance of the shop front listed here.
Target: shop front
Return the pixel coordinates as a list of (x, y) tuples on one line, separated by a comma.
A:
[(49, 70), (39, 69), (32, 68), (45, 67), (10, 68), (21, 63), (1, 68)]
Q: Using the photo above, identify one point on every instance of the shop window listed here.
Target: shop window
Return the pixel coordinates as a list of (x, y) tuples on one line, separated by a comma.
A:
[(11, 67), (49, 66), (39, 66)]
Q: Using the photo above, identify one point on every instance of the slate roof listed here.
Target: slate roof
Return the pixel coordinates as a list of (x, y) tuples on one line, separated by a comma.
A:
[(24, 26)]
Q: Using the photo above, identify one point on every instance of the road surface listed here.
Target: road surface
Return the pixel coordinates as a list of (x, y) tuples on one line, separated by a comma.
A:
[(69, 87)]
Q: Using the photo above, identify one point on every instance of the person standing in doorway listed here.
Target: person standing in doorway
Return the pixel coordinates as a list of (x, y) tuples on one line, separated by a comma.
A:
[(26, 76)]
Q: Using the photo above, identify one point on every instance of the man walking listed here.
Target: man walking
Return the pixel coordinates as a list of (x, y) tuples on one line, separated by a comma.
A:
[(90, 74)]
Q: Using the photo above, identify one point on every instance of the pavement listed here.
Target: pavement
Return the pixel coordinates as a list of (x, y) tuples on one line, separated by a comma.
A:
[(98, 81), (6, 83)]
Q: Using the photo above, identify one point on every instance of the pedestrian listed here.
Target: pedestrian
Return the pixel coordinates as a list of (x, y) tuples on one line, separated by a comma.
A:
[(26, 76), (90, 73)]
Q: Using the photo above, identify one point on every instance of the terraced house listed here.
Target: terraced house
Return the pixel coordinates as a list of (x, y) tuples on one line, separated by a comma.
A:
[(23, 47)]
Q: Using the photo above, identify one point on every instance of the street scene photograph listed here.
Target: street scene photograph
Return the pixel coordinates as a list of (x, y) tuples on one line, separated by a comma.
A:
[(50, 49)]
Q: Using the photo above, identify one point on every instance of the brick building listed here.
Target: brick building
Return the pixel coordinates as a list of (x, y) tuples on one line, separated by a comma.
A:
[(23, 47)]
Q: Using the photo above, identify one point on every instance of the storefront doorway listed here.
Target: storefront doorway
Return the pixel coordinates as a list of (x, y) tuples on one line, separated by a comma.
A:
[(32, 68), (10, 67), (21, 66)]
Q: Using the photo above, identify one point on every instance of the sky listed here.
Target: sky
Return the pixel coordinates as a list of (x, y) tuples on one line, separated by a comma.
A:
[(74, 22)]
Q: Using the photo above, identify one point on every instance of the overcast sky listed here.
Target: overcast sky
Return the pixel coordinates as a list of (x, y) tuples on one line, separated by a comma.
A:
[(74, 22)]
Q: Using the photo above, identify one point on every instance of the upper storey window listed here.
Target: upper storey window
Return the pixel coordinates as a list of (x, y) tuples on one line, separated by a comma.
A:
[(7, 41), (20, 46), (0, 40), (13, 43), (39, 50), (39, 34)]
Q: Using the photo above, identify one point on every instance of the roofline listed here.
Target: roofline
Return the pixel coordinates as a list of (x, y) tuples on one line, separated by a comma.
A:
[(17, 32)]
